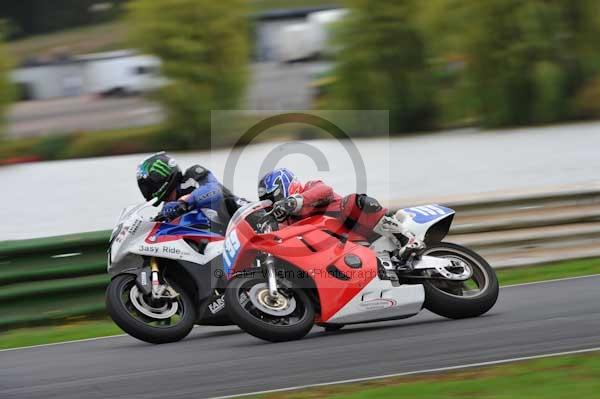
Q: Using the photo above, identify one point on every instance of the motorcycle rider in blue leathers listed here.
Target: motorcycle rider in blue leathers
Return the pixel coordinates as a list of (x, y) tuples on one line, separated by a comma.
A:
[(160, 177)]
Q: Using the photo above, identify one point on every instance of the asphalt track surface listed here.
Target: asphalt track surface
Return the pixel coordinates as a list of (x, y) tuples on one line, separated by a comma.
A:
[(527, 320)]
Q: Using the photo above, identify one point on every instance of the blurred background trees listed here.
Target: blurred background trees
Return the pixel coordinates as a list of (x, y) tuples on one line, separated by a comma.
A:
[(450, 62), (6, 88), (433, 64), (203, 45), (527, 61), (382, 64)]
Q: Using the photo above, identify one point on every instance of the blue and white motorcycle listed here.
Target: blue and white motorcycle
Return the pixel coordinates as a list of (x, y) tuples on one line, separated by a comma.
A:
[(166, 275)]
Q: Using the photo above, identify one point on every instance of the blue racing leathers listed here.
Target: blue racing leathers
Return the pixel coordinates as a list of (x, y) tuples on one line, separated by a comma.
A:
[(204, 191)]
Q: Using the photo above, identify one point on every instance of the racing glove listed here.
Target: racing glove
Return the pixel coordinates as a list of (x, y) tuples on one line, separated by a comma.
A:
[(174, 209), (283, 208)]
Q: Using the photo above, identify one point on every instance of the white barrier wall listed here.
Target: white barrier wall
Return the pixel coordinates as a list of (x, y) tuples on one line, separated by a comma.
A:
[(123, 70)]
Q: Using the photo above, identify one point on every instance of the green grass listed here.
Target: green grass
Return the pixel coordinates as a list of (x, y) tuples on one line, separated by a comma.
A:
[(573, 268), (576, 376), (81, 329), (50, 334)]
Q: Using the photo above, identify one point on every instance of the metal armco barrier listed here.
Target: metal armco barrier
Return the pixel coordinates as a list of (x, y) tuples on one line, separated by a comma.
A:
[(46, 280), (50, 280)]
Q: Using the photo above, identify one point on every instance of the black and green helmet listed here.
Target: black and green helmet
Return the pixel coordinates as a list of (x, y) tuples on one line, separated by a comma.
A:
[(157, 176)]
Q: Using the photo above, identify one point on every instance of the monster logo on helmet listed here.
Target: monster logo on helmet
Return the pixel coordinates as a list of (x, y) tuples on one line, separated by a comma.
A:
[(161, 168), (157, 176)]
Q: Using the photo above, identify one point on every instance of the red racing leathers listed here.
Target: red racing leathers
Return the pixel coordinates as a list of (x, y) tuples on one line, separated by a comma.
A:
[(319, 198)]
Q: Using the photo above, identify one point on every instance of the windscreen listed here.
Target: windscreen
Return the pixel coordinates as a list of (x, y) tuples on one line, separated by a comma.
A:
[(246, 210)]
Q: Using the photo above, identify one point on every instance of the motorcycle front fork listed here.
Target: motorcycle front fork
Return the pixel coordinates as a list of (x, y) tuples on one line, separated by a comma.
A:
[(158, 289), (271, 279)]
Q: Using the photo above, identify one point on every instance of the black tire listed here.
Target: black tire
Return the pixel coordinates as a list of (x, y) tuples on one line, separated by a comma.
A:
[(122, 316), (454, 306), (257, 326)]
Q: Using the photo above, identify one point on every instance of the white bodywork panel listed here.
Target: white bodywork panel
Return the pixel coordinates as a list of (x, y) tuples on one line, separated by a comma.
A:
[(418, 219), (380, 300)]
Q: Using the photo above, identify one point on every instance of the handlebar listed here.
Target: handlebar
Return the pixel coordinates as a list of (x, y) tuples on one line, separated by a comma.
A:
[(181, 211), (268, 223), (159, 218)]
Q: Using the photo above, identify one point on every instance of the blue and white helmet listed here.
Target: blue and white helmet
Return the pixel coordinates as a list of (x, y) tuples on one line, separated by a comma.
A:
[(277, 185)]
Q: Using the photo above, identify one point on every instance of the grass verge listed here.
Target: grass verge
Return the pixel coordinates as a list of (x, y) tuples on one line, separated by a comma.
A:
[(104, 327), (573, 376), (552, 271), (60, 333)]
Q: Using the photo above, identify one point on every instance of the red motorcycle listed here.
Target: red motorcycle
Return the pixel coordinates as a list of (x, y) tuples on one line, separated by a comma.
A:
[(283, 280)]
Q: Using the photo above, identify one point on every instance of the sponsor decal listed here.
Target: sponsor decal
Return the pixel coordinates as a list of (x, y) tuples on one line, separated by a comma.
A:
[(244, 299), (146, 248), (144, 278), (207, 195), (378, 303), (171, 250), (232, 247), (217, 305), (135, 226), (165, 249)]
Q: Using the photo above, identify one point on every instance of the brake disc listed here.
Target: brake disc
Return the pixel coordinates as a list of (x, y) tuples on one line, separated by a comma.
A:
[(163, 312), (275, 306)]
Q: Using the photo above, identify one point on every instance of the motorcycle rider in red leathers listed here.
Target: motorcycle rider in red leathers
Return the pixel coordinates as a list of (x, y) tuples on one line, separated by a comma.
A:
[(293, 201)]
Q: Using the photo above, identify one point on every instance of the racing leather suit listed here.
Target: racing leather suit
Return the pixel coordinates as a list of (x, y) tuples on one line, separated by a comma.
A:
[(357, 211), (199, 188)]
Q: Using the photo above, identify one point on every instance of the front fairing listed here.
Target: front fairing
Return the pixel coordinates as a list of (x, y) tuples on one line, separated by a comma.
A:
[(239, 232), (134, 221), (137, 235)]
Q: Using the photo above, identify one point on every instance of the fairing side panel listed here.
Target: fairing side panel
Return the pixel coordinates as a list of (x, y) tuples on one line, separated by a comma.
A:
[(379, 300)]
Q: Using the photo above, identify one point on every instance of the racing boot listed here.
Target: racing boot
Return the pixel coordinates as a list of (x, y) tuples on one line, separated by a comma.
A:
[(409, 247)]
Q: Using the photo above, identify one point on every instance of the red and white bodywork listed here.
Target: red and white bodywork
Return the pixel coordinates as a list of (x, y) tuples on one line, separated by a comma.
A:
[(333, 261)]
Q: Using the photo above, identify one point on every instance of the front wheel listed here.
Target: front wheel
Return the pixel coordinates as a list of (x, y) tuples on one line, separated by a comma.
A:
[(461, 299), (156, 321), (287, 317)]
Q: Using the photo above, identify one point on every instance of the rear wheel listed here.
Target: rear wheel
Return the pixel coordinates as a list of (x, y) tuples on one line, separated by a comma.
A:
[(287, 317), (156, 321), (461, 299)]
